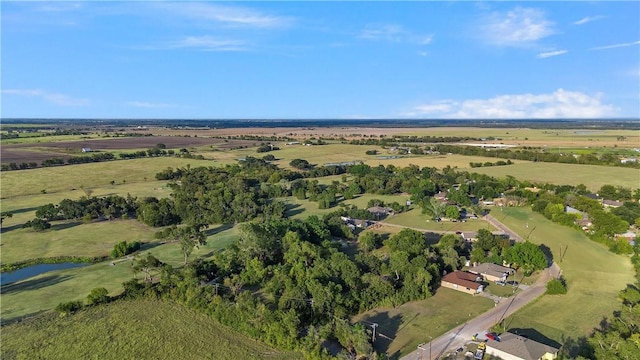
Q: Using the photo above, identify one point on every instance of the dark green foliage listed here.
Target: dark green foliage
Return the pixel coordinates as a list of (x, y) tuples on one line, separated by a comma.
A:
[(69, 307), (300, 164), (98, 296), (123, 248), (407, 240), (154, 212), (527, 256), (37, 225), (556, 286)]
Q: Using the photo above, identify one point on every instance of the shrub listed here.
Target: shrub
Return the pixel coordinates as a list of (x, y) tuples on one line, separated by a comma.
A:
[(556, 286), (98, 296), (123, 248), (69, 307)]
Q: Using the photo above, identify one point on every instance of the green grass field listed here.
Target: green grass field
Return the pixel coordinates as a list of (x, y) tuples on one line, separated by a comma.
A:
[(594, 278), (593, 176), (65, 178), (415, 219), (134, 329), (45, 291), (413, 323)]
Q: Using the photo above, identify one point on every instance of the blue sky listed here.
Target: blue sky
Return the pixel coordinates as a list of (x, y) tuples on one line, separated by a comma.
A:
[(292, 59)]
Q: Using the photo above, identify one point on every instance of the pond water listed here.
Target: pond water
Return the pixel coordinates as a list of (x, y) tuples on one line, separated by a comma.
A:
[(33, 270)]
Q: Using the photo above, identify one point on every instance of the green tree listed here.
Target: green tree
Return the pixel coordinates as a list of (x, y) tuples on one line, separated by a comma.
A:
[(98, 296), (528, 256), (452, 212)]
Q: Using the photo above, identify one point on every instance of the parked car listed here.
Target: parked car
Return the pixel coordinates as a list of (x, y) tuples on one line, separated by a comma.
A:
[(493, 336)]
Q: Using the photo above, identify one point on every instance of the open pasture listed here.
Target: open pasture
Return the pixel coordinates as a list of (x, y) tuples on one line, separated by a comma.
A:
[(128, 330), (594, 278), (415, 219), (66, 178), (592, 176)]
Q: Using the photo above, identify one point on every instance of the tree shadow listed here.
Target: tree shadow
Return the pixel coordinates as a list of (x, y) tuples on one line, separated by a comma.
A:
[(547, 252), (5, 229), (217, 230), (33, 208), (535, 335), (577, 347), (293, 209), (432, 238), (386, 330), (65, 225), (34, 284)]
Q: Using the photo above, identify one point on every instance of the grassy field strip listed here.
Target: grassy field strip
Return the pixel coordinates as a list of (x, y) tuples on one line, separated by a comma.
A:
[(594, 277), (415, 219), (72, 239), (413, 323), (65, 178), (45, 291), (593, 176), (129, 330)]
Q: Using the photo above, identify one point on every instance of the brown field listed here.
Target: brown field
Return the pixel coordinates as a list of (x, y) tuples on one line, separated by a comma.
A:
[(37, 152)]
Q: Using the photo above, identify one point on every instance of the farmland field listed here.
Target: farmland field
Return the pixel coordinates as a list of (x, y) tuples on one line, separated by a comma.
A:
[(592, 176), (65, 178), (594, 278), (135, 329)]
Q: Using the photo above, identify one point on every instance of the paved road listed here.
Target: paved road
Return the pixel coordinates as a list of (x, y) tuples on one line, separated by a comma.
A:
[(462, 334)]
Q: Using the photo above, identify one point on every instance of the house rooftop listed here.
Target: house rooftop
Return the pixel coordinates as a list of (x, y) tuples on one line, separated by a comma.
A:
[(611, 203), (491, 269), (462, 278), (520, 346)]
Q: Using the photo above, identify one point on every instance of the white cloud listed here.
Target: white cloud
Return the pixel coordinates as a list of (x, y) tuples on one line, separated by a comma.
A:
[(518, 27), (614, 46), (54, 98), (205, 43), (149, 105), (394, 33), (225, 14), (587, 19), (544, 55), (558, 104)]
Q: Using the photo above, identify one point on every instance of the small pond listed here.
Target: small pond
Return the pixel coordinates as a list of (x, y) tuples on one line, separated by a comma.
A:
[(33, 270)]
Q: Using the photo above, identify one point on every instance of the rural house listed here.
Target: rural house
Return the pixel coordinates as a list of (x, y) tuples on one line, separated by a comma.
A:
[(515, 347), (492, 272), (611, 203), (462, 281), (380, 212)]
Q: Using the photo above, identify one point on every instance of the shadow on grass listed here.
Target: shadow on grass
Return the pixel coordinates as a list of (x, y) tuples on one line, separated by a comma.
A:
[(293, 210), (386, 330), (547, 252), (432, 238), (217, 230), (66, 225), (534, 335), (23, 210), (5, 229), (34, 284)]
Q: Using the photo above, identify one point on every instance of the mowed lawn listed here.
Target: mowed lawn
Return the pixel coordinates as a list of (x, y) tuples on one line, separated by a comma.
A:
[(413, 323), (416, 219), (71, 238), (132, 329), (45, 291), (66, 178), (593, 176), (594, 278)]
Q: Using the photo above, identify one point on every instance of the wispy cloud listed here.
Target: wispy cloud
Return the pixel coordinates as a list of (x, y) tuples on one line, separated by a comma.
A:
[(548, 54), (558, 104), (225, 14), (54, 98), (149, 105), (393, 33), (203, 43), (518, 27), (614, 46), (587, 19)]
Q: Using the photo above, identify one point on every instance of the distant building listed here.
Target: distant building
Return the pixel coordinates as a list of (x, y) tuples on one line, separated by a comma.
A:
[(462, 281), (86, 149), (515, 347), (628, 160), (380, 212), (611, 203)]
